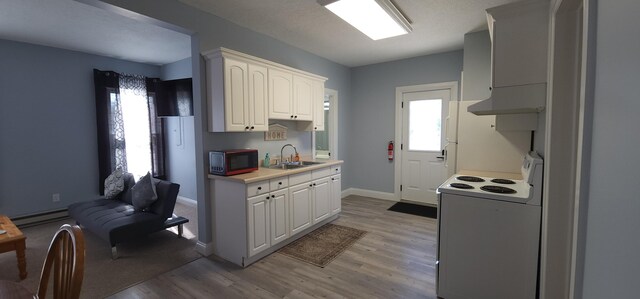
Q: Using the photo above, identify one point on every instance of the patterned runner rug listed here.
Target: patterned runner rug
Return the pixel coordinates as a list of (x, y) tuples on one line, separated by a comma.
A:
[(323, 245)]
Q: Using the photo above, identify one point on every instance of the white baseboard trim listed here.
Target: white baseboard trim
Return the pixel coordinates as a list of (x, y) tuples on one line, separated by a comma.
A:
[(187, 201), (205, 249), (369, 193)]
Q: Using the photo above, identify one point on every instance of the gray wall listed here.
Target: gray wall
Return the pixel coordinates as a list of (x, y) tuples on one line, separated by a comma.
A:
[(180, 137), (48, 140), (612, 242), (372, 114)]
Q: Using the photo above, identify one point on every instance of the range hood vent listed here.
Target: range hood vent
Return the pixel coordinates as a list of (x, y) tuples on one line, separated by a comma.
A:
[(530, 98)]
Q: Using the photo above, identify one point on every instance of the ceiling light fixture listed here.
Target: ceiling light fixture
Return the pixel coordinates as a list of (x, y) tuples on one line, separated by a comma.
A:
[(377, 19)]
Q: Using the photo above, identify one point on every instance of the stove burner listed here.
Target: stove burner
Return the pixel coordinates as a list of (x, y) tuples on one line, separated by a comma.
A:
[(467, 178), (498, 189), (503, 181), (461, 186)]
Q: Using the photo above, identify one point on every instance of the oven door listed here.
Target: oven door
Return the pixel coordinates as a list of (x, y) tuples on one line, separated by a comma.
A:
[(241, 162)]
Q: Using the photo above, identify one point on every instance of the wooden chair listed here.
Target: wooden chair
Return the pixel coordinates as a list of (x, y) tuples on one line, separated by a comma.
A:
[(65, 259)]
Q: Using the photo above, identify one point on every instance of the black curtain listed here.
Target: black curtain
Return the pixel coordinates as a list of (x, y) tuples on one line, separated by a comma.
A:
[(111, 141), (156, 124)]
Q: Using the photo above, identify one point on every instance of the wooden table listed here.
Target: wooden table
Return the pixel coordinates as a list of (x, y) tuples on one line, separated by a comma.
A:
[(13, 240)]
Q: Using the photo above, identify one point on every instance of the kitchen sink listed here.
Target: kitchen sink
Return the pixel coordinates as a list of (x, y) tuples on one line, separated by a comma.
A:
[(294, 165), (287, 166)]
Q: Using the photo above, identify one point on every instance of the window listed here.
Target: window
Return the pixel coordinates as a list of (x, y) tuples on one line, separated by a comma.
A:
[(129, 133), (425, 121)]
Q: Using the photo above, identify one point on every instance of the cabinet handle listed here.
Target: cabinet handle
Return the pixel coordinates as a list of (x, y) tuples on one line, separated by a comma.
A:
[(295, 116), (310, 185), (333, 179), (315, 128), (267, 197), (490, 88), (251, 127), (291, 116), (259, 188), (314, 184), (279, 183), (273, 196)]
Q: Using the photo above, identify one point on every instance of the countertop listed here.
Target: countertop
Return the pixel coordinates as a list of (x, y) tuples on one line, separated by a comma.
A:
[(269, 173)]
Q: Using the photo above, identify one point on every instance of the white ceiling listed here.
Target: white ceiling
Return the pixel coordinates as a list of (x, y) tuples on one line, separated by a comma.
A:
[(80, 27), (438, 26)]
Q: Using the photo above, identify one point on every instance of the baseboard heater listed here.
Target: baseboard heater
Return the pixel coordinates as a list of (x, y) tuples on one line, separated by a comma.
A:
[(41, 218)]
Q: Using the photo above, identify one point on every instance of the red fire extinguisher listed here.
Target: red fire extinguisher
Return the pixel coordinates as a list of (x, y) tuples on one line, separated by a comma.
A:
[(390, 150)]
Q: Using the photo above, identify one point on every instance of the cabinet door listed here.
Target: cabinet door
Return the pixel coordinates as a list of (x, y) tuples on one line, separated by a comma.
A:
[(300, 207), (318, 106), (303, 100), (280, 94), (258, 98), (279, 208), (336, 194), (258, 217), (321, 199), (235, 95)]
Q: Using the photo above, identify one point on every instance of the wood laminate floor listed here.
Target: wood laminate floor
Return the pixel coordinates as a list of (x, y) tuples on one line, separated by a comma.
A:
[(396, 259)]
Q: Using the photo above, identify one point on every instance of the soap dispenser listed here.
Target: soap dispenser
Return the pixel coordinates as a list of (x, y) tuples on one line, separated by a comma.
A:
[(267, 160)]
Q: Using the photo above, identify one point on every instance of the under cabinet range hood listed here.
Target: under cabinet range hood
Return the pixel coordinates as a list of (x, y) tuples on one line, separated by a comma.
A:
[(530, 98)]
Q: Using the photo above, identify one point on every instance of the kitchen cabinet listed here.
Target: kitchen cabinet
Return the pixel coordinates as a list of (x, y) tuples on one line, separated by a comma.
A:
[(268, 220), (321, 199), (280, 94), (253, 219), (318, 110), (244, 92), (291, 96), (336, 194), (519, 35), (301, 207), (237, 94)]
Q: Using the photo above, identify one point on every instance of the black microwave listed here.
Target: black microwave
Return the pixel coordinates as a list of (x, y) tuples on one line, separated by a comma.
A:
[(232, 162)]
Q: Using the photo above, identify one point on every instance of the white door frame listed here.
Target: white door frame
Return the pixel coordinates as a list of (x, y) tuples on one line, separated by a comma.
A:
[(567, 148), (333, 125), (452, 86)]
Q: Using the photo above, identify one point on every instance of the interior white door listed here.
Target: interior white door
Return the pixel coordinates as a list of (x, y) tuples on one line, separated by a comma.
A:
[(424, 115)]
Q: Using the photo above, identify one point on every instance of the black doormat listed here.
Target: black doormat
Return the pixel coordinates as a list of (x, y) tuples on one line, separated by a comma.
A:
[(419, 210)]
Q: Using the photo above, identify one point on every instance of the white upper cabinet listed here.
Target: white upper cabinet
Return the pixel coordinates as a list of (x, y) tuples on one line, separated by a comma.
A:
[(519, 34), (280, 94), (244, 92), (236, 93), (302, 98)]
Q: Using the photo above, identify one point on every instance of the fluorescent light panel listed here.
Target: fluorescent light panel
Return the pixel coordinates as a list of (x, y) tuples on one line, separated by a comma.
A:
[(377, 19)]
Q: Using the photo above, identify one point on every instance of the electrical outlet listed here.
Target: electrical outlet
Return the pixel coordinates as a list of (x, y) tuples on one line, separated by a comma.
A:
[(55, 197)]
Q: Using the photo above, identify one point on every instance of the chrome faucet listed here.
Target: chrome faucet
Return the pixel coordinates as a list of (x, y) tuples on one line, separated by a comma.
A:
[(282, 149)]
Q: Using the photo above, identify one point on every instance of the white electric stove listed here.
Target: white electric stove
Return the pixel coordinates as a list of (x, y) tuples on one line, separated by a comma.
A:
[(489, 235)]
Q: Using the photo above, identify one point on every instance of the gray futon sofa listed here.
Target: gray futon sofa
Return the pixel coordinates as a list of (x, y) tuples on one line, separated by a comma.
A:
[(116, 220)]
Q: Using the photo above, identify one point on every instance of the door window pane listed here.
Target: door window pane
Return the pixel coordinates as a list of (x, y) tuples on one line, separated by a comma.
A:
[(425, 120)]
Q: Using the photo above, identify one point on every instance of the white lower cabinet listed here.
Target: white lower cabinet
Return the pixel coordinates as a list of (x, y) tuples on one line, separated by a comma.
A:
[(321, 199), (336, 194), (301, 207), (254, 219), (268, 220), (278, 208), (259, 224)]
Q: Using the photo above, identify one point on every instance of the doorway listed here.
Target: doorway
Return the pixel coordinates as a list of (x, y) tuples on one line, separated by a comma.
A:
[(325, 143), (421, 140)]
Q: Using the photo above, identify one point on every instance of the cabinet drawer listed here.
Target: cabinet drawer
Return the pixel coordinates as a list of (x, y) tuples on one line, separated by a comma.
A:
[(299, 178), (320, 173), (279, 183), (257, 188), (335, 169)]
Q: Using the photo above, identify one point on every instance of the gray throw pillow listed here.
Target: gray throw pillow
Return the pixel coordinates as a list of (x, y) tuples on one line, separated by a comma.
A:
[(114, 184), (143, 193)]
